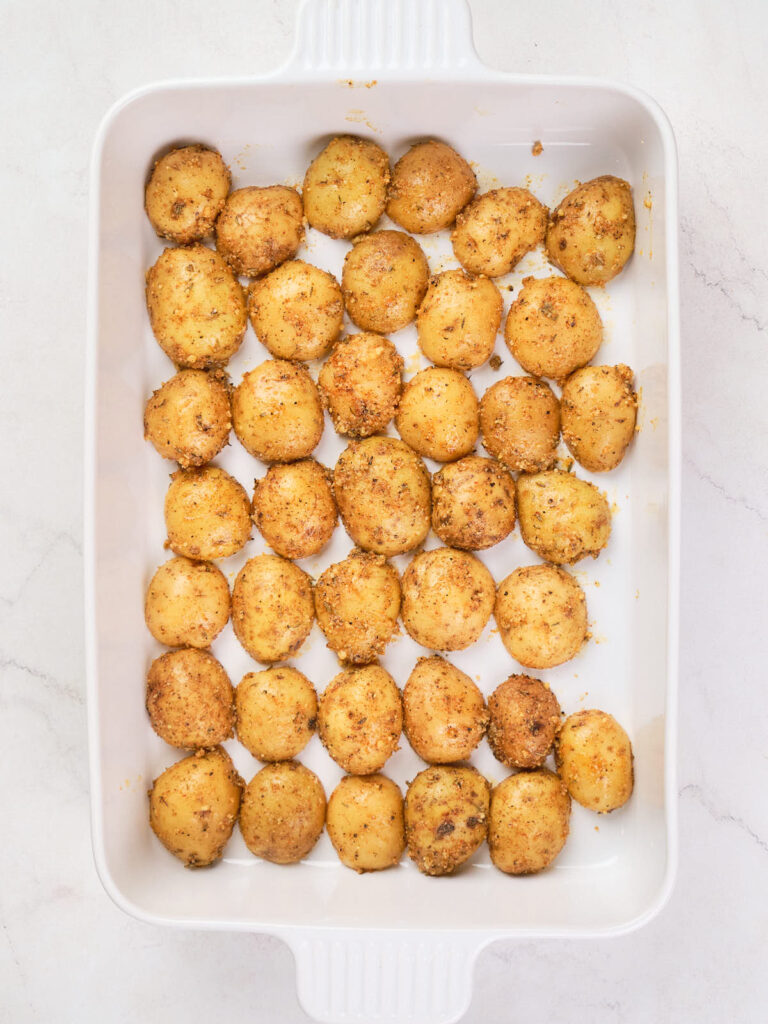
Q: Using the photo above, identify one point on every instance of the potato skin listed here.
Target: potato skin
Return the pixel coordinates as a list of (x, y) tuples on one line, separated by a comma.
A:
[(524, 719), (187, 603), (528, 821), (186, 192), (207, 514), (497, 229), (599, 412), (594, 758), (360, 384), (277, 413), (444, 713), (360, 718), (563, 519), (189, 418), (276, 713), (345, 187), (473, 503), (190, 700), (520, 423), (431, 183), (283, 812), (438, 414), (259, 228), (272, 608), (446, 817), (365, 822), (384, 279), (294, 508), (459, 319)]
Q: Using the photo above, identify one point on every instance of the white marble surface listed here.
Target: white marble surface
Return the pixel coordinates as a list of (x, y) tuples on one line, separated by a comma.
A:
[(66, 953)]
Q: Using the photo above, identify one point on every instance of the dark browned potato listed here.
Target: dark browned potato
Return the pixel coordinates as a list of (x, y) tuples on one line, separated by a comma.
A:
[(563, 519), (294, 508), (497, 229), (187, 603), (345, 187), (360, 718), (444, 714), (384, 279), (599, 411), (207, 513), (259, 228), (525, 717), (272, 608), (186, 192), (520, 423), (189, 418), (529, 821), (283, 812), (473, 503), (446, 817), (360, 384), (277, 413), (276, 713), (190, 700), (594, 758), (365, 822), (431, 183), (438, 414), (459, 319)]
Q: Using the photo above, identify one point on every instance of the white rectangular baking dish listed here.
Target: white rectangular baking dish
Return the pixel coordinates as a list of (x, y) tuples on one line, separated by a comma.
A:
[(394, 946)]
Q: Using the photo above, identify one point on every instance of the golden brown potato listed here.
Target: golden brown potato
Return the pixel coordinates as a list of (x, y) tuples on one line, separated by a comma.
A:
[(520, 423), (277, 413), (528, 822), (459, 319), (563, 519), (599, 410), (187, 603), (382, 490), (190, 700), (196, 307), (447, 599), (189, 418), (360, 718), (525, 717), (444, 713), (438, 414), (207, 514), (294, 508), (259, 228), (345, 187), (283, 812), (193, 807), (384, 279), (497, 229), (431, 183), (594, 759), (446, 817), (473, 503), (541, 612), (365, 822), (276, 713), (186, 192), (360, 384), (591, 234), (272, 608), (297, 311)]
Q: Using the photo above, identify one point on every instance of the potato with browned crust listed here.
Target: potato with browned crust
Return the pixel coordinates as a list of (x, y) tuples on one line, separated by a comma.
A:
[(360, 384), (385, 277), (283, 812), (473, 503), (594, 759), (459, 319), (189, 418), (360, 718), (294, 508), (529, 821), (345, 187), (431, 184), (272, 608), (259, 228), (438, 414), (446, 817), (365, 822), (563, 519), (276, 713), (190, 700), (525, 716), (497, 229), (520, 423), (207, 513), (186, 192), (187, 603), (277, 413), (444, 713), (599, 411)]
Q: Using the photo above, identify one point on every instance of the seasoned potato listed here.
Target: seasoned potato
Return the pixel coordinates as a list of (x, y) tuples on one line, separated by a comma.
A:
[(541, 612), (431, 183), (345, 187), (591, 234), (446, 817), (459, 319), (528, 821), (360, 718), (438, 414), (357, 603), (382, 490), (189, 418), (207, 513), (473, 503), (497, 229), (276, 713), (520, 423), (444, 713), (365, 822), (594, 758), (384, 279), (272, 608), (277, 413), (525, 717), (186, 192), (294, 508), (193, 807), (447, 599), (259, 228), (599, 410), (360, 384), (283, 812), (297, 311), (190, 700), (553, 327), (563, 519), (187, 603), (196, 307)]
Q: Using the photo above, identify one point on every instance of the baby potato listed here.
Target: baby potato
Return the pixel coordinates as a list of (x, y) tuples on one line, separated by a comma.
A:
[(190, 700), (196, 307), (497, 229), (438, 414), (297, 311), (520, 423), (345, 187), (431, 183), (591, 234), (594, 758), (444, 713), (525, 716), (553, 327), (360, 718), (599, 410), (189, 418), (563, 519), (193, 807), (447, 599), (277, 413), (360, 384), (528, 821), (473, 503), (384, 279), (276, 713), (186, 192), (446, 817), (283, 812), (187, 603), (459, 319), (382, 490), (272, 608), (207, 514), (357, 603), (541, 612), (294, 508), (365, 822), (259, 228)]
